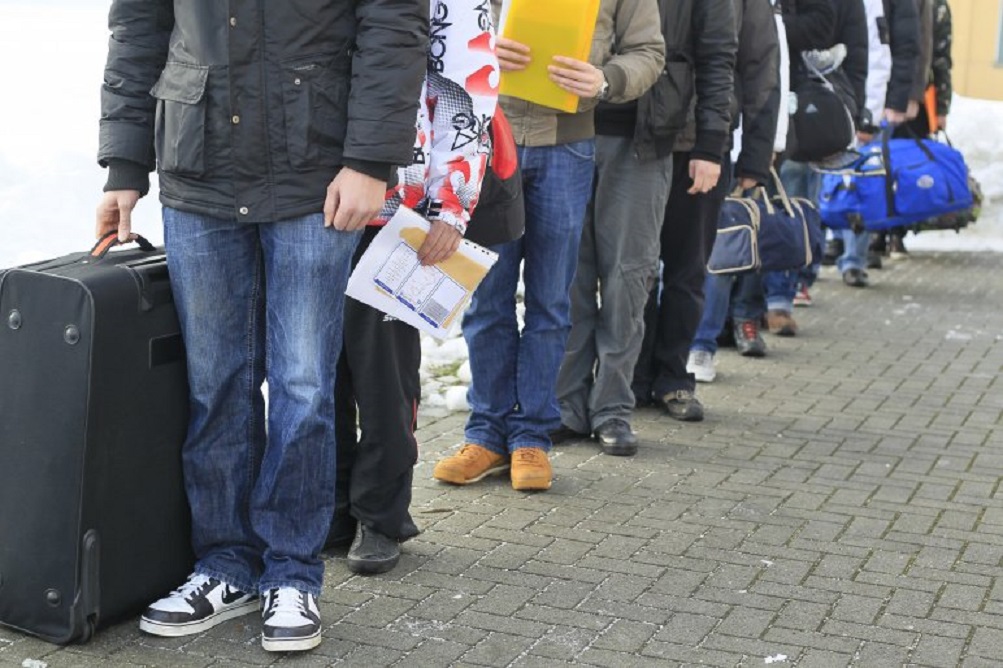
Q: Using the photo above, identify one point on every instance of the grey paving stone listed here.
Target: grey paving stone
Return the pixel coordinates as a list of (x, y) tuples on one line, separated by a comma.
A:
[(839, 505)]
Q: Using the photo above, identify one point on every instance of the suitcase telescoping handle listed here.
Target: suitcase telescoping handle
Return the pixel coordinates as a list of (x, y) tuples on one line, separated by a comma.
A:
[(110, 240)]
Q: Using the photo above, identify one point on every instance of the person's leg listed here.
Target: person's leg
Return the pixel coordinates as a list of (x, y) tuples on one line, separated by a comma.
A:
[(631, 198), (217, 282), (577, 371), (780, 287), (491, 331), (851, 262), (687, 238), (556, 199), (306, 271), (717, 297), (218, 285), (386, 353), (747, 308)]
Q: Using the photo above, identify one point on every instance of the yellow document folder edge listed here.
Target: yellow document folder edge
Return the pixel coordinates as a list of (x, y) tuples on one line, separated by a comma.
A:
[(549, 28)]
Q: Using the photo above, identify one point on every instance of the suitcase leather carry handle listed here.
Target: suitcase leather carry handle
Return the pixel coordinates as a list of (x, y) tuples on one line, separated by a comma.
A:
[(110, 240)]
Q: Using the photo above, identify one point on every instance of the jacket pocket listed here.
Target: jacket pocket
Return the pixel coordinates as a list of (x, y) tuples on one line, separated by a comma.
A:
[(667, 104), (315, 94), (181, 118)]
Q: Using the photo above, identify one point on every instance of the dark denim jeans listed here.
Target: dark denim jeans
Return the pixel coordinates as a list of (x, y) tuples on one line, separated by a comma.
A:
[(512, 398), (737, 295), (260, 302)]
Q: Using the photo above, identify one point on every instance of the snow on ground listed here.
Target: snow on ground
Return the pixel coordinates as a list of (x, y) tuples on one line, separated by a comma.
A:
[(53, 53)]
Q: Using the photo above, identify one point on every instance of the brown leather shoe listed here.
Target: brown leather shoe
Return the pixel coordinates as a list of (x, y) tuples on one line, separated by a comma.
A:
[(470, 464), (781, 323), (531, 469)]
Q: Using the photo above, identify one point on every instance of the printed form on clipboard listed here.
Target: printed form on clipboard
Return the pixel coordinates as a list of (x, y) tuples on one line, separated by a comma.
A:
[(390, 278)]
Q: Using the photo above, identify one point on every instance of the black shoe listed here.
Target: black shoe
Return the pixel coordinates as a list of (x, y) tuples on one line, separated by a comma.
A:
[(565, 434), (617, 438), (833, 249), (196, 606), (683, 405), (290, 621), (855, 278), (372, 552), (747, 339)]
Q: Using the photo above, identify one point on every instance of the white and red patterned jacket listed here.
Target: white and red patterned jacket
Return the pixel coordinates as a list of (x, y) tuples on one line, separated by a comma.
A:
[(458, 100)]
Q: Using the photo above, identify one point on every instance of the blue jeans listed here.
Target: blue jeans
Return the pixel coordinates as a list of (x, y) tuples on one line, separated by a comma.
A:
[(259, 302), (512, 396), (719, 303), (854, 250)]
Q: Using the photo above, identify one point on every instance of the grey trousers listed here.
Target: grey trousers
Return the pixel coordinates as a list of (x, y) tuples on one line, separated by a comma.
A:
[(617, 266)]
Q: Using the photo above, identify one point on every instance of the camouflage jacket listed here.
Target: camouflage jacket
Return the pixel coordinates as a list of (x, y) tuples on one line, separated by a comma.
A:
[(940, 68)]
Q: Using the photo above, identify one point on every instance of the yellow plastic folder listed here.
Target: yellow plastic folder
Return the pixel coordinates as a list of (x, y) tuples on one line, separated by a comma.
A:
[(549, 28)]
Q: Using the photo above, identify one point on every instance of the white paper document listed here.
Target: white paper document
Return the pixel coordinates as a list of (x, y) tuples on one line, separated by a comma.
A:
[(390, 278)]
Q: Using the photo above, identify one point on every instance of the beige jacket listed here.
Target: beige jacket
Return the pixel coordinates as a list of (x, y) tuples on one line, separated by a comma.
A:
[(627, 45)]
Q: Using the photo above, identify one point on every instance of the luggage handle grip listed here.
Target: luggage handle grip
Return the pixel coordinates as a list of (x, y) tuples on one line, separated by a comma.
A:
[(110, 240)]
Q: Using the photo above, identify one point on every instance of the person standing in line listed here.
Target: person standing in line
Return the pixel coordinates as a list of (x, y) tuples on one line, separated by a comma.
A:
[(378, 382), (275, 128), (893, 46), (639, 161), (512, 396), (915, 125), (759, 88), (844, 65)]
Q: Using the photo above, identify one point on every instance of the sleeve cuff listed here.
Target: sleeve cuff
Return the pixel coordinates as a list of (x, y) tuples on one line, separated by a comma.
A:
[(127, 175), (710, 146), (617, 80), (378, 170)]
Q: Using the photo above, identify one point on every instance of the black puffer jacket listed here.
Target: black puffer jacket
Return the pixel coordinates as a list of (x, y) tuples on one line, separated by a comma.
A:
[(851, 77), (757, 87), (254, 106), (694, 91)]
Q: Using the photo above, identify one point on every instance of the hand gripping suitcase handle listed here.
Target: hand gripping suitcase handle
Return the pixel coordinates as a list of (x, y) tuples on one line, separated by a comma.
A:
[(110, 240)]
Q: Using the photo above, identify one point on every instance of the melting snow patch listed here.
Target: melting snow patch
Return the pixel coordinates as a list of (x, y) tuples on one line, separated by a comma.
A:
[(779, 658), (34, 663), (456, 398)]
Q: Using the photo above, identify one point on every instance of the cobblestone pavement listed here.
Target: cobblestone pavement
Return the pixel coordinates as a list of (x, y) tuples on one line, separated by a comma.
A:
[(841, 505)]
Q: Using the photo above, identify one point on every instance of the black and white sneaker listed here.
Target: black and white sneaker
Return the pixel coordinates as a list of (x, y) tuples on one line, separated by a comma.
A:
[(199, 604), (291, 621)]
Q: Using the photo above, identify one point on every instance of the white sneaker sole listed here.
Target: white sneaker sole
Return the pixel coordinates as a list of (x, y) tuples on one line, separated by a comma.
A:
[(190, 628), (291, 644), (701, 376)]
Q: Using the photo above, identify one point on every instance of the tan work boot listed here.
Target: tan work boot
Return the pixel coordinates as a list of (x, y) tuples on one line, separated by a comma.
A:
[(470, 464), (531, 469), (781, 323)]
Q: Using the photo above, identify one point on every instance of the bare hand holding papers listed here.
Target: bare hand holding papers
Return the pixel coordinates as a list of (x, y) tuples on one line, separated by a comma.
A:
[(390, 278)]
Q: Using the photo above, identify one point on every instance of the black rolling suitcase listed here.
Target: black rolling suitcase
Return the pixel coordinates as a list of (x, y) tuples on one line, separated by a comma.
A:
[(94, 524)]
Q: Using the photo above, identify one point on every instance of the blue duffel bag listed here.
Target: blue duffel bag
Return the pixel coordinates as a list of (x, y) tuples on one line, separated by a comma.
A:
[(759, 232), (895, 182)]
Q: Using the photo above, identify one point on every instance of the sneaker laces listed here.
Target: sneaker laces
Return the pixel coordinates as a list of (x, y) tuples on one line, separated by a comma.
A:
[(702, 358), (749, 329), (287, 600), (527, 455), (196, 585)]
